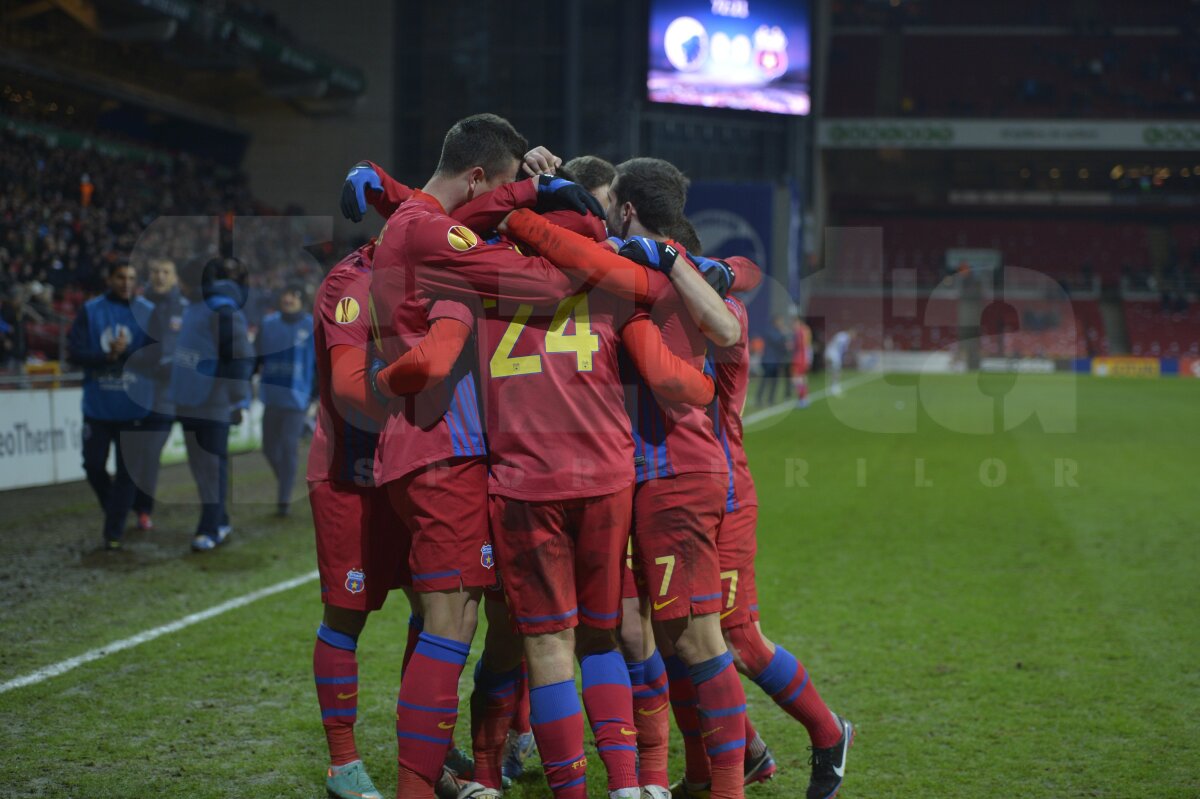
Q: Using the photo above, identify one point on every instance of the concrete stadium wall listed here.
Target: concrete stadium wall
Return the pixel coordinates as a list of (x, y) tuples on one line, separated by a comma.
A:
[(294, 159)]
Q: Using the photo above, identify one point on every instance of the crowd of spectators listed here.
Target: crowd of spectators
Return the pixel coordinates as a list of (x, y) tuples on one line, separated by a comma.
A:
[(68, 214)]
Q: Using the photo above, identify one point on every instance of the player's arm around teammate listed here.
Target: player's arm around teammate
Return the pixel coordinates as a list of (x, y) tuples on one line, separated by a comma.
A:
[(680, 497)]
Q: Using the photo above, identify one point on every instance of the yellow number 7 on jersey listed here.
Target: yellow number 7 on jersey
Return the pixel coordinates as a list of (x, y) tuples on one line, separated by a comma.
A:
[(582, 342)]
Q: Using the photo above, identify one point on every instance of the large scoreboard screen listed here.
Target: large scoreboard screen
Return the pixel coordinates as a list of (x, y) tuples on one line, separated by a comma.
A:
[(751, 55)]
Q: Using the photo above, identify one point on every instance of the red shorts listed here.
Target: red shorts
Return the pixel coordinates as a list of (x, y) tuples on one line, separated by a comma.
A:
[(444, 511), (361, 551), (632, 583), (560, 560), (736, 546), (675, 522)]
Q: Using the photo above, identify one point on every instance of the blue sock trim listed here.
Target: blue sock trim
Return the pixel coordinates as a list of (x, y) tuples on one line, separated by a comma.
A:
[(703, 672), (716, 750), (335, 712), (637, 672), (778, 673), (429, 739), (650, 693), (721, 712), (787, 700), (337, 680), (337, 640), (416, 622), (571, 784), (494, 683), (654, 667), (676, 668), (400, 703), (549, 703), (446, 650), (604, 668), (567, 762)]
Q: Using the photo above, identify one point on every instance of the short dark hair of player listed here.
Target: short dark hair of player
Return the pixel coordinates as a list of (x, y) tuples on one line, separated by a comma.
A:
[(590, 171), (483, 140), (684, 233), (118, 266), (233, 270), (656, 188)]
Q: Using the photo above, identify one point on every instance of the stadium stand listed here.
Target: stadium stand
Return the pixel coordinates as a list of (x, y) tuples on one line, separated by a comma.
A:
[(68, 211), (854, 70), (1155, 330), (1071, 251), (1081, 76), (1022, 13), (1019, 327), (932, 324)]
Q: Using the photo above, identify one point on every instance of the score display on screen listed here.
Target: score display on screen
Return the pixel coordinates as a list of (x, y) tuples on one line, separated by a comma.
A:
[(751, 55)]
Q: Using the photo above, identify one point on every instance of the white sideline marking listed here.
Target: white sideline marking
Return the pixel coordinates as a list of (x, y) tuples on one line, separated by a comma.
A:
[(64, 666), (783, 407)]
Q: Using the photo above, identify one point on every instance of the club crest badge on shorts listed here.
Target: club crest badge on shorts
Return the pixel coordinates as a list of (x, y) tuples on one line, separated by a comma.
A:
[(486, 557), (356, 581)]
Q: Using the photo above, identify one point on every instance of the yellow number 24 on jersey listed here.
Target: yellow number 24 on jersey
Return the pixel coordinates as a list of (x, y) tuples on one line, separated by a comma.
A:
[(583, 343)]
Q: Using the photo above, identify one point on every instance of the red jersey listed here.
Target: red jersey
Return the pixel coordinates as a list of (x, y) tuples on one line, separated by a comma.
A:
[(731, 372), (556, 418), (423, 254), (802, 354), (677, 438), (343, 445)]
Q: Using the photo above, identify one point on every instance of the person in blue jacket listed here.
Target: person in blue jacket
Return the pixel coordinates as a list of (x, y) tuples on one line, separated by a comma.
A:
[(287, 386), (165, 324), (108, 331), (210, 384)]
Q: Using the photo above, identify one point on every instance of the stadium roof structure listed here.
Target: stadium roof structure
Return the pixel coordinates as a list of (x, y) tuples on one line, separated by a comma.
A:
[(178, 47)]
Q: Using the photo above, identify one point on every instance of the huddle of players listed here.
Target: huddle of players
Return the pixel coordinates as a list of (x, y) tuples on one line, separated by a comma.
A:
[(612, 373)]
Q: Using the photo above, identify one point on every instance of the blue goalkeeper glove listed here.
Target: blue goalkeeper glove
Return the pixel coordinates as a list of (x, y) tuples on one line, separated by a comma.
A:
[(557, 193), (656, 255), (717, 274), (362, 176)]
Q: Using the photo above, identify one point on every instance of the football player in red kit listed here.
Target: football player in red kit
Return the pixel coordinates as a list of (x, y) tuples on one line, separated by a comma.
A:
[(769, 665), (561, 484), (432, 453), (562, 476), (681, 473), (358, 554), (801, 361), (432, 444)]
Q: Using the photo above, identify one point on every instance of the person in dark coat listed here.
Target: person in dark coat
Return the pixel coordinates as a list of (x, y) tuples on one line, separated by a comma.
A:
[(210, 384), (107, 333)]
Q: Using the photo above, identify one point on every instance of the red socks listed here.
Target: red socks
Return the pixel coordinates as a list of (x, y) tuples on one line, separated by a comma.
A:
[(426, 712), (557, 721), (722, 710), (786, 681), (492, 704), (335, 669), (609, 702), (685, 704), (648, 680)]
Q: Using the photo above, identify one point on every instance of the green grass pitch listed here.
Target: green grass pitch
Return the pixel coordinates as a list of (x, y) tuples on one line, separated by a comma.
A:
[(1002, 614)]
